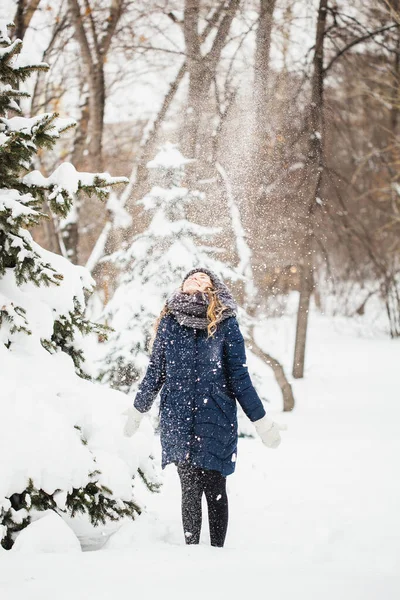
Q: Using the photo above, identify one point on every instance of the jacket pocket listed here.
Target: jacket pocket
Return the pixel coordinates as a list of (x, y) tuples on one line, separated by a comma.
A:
[(228, 415), (163, 396), (225, 402), (221, 392)]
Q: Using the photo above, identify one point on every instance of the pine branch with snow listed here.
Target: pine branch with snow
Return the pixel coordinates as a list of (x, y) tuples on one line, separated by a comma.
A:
[(65, 183), (22, 195)]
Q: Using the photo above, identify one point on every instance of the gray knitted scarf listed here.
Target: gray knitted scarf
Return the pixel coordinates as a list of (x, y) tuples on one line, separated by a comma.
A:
[(191, 309)]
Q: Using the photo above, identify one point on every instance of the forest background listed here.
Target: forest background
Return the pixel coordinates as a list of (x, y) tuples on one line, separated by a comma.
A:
[(289, 107)]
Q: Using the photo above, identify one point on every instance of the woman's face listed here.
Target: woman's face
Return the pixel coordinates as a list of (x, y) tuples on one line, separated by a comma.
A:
[(198, 282)]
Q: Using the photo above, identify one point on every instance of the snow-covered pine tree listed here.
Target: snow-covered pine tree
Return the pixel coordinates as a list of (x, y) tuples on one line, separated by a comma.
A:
[(62, 435), (22, 194), (153, 266)]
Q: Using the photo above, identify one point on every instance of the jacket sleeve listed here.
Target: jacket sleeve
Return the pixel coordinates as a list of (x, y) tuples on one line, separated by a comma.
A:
[(239, 380), (155, 374)]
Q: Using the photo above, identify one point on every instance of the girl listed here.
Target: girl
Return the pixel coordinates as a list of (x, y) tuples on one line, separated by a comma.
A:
[(198, 359)]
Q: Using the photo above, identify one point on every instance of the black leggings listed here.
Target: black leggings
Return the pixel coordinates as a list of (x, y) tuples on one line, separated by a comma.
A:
[(195, 481)]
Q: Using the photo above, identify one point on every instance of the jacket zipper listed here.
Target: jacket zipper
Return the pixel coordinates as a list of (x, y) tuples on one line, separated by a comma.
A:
[(192, 437)]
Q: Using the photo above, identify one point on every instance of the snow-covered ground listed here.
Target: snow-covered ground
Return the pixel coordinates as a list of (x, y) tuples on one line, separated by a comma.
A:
[(316, 518)]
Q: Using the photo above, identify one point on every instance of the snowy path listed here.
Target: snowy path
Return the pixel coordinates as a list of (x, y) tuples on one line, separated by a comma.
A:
[(316, 518)]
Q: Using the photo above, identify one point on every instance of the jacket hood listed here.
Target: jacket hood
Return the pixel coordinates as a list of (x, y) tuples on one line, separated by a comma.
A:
[(221, 289)]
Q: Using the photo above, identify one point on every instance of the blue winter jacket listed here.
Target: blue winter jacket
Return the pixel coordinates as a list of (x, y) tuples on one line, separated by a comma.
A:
[(201, 379)]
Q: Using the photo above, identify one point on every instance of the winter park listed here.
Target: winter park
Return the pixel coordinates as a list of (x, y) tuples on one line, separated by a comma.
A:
[(200, 299)]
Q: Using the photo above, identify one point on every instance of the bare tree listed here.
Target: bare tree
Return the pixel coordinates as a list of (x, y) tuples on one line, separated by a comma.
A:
[(201, 68), (261, 98), (311, 190), (94, 44), (107, 239)]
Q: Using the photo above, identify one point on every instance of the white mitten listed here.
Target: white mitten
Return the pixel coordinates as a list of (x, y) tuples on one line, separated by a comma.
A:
[(268, 431), (133, 421)]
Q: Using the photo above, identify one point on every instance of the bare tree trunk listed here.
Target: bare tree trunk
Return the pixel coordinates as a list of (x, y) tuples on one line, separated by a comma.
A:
[(60, 23), (261, 59), (51, 234), (93, 61), (286, 388), (82, 130), (306, 289), (196, 69), (69, 231), (94, 49), (261, 99), (97, 100), (23, 16), (201, 68), (394, 113), (313, 169)]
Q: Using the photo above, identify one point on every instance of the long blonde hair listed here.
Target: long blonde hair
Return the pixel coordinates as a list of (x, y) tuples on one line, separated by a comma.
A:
[(214, 311)]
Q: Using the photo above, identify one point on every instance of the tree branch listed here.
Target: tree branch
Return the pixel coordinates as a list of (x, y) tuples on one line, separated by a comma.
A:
[(190, 29), (81, 33), (214, 54), (115, 15), (353, 43), (93, 29)]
